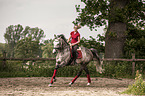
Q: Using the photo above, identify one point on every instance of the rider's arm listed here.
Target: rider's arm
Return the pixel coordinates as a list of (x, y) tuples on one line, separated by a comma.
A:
[(69, 39), (76, 42)]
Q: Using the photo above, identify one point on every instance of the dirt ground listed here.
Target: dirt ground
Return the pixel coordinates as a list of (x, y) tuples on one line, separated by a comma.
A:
[(38, 86)]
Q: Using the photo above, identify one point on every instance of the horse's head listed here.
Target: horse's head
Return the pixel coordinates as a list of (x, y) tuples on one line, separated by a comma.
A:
[(59, 42)]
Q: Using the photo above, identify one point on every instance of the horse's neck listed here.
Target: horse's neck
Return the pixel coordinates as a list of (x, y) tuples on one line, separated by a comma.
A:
[(65, 44), (64, 49), (63, 54)]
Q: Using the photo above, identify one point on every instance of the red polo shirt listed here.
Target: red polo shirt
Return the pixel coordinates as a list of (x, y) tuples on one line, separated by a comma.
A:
[(74, 37)]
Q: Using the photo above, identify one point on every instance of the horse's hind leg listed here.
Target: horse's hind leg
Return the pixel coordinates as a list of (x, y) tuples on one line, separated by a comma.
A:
[(80, 72), (88, 75)]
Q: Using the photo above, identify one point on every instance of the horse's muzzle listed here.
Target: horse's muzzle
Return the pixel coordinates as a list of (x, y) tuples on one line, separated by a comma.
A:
[(54, 51)]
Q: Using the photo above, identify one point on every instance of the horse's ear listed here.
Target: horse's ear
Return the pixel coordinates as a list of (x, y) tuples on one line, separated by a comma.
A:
[(54, 36), (61, 36)]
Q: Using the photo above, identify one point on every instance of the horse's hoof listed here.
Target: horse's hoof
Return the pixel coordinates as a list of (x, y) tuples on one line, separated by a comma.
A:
[(50, 85), (70, 84), (88, 84), (54, 80)]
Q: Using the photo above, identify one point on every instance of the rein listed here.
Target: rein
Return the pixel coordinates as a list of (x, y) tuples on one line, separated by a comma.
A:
[(62, 43)]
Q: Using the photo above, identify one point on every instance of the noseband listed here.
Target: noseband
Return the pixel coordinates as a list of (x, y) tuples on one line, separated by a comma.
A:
[(60, 45)]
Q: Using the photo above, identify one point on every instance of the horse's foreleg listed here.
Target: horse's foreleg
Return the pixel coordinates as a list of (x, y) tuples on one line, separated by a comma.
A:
[(54, 75), (88, 75), (62, 64), (80, 72)]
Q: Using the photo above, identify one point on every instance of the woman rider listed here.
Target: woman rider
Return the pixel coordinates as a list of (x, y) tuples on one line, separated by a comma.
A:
[(75, 40)]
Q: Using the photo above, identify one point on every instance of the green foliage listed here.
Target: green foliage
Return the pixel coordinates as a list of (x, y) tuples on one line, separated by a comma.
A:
[(46, 69), (94, 14), (27, 48), (47, 49), (135, 11), (15, 33), (13, 67), (135, 43), (41, 69), (2, 46), (112, 35), (97, 13), (35, 33), (2, 49), (116, 69), (96, 43), (12, 35), (138, 88)]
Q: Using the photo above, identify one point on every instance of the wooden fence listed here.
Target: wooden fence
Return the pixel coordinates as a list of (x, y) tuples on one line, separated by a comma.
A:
[(133, 60)]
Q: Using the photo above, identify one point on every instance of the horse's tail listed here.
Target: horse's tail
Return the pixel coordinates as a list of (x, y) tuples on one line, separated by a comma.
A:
[(95, 55), (98, 59)]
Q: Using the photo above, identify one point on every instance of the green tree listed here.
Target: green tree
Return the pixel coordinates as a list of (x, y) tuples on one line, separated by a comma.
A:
[(96, 43), (27, 48), (135, 42), (47, 49), (15, 33), (12, 36), (2, 49), (36, 33), (117, 14)]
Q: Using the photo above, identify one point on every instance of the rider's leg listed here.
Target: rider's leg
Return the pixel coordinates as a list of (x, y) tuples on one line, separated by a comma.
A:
[(74, 53)]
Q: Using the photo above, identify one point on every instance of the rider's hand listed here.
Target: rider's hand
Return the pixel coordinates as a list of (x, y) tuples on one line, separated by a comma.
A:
[(70, 44)]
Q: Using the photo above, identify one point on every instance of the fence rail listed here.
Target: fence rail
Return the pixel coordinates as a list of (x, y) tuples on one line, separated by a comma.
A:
[(52, 59), (133, 60), (27, 59), (116, 59)]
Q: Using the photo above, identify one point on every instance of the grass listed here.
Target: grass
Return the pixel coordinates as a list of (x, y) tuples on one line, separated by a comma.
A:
[(138, 88)]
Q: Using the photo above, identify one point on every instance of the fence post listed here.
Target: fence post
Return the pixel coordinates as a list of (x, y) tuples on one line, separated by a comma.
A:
[(133, 64), (4, 59)]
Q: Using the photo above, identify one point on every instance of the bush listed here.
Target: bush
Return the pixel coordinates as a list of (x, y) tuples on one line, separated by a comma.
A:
[(138, 88), (113, 69), (117, 69), (39, 69)]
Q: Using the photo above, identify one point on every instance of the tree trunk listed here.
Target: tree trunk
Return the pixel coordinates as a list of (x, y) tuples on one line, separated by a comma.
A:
[(115, 35)]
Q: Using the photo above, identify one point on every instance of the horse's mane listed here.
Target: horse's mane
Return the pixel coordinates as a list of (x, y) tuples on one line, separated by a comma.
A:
[(63, 37)]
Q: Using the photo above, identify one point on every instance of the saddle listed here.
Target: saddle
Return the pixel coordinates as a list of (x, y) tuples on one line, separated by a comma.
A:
[(79, 53)]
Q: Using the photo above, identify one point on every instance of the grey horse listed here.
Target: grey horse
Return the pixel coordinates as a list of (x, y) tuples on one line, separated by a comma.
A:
[(63, 58)]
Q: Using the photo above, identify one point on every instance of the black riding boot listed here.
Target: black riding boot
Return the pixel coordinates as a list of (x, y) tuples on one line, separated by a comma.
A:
[(74, 53), (74, 59)]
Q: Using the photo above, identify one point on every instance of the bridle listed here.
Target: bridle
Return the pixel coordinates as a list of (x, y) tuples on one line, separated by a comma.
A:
[(61, 44)]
